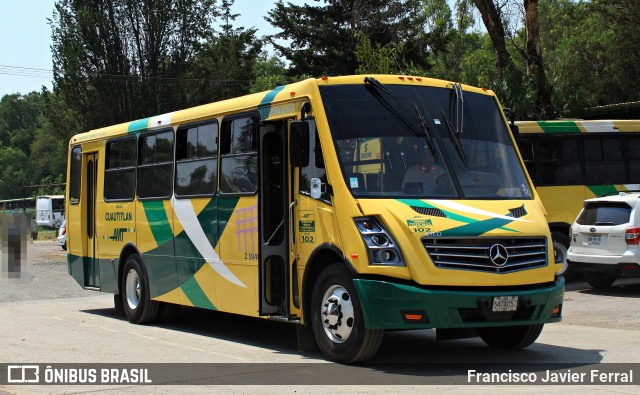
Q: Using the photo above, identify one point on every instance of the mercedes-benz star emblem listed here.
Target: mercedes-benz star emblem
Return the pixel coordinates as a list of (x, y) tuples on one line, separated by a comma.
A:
[(498, 254)]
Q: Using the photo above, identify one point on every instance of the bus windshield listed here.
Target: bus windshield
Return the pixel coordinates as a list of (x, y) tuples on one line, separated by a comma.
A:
[(422, 142)]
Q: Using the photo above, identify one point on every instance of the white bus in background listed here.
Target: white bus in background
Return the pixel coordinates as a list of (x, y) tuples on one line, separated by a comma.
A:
[(50, 210)]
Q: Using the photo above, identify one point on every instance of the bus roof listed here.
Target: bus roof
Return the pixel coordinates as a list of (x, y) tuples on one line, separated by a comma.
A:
[(258, 101), (578, 126)]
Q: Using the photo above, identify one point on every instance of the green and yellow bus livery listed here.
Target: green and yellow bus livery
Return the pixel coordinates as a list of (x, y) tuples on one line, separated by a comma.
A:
[(570, 161), (296, 204)]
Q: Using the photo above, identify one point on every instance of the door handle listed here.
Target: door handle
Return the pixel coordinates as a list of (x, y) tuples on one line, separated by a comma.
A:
[(291, 239)]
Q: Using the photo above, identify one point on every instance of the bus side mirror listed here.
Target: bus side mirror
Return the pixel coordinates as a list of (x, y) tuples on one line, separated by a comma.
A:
[(299, 144)]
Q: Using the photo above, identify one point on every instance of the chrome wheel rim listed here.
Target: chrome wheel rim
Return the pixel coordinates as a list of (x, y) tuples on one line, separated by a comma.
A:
[(336, 314), (133, 289)]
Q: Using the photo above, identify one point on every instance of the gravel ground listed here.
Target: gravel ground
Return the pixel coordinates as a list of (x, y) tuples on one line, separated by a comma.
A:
[(48, 276)]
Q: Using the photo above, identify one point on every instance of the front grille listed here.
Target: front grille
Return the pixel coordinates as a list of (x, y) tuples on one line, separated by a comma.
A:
[(474, 253)]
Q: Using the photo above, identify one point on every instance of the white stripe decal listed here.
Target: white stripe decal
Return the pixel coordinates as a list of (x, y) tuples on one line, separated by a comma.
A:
[(189, 221), (598, 126), (472, 210)]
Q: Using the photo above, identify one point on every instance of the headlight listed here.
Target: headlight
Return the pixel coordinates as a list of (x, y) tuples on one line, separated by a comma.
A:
[(381, 247)]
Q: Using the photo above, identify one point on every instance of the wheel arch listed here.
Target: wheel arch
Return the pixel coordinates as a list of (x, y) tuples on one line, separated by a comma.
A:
[(561, 227), (128, 250), (322, 256)]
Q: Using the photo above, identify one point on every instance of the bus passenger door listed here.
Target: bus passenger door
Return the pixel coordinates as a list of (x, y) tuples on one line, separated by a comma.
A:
[(273, 214), (91, 276)]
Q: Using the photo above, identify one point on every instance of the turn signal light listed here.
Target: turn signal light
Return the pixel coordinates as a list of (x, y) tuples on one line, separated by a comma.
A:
[(415, 316), (556, 311)]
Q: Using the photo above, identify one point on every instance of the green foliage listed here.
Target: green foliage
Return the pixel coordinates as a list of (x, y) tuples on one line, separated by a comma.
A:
[(19, 120), (322, 39), (14, 173), (378, 60), (269, 72), (590, 52), (119, 60), (224, 65)]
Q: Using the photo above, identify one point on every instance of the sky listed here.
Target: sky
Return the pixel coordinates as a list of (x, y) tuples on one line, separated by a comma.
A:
[(25, 39)]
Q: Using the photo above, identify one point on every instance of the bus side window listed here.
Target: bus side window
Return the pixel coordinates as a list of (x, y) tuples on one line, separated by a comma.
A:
[(604, 162), (155, 170), (633, 147), (74, 176), (239, 156), (196, 160), (120, 170)]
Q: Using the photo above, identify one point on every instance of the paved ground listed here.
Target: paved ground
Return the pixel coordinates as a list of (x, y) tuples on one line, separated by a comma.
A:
[(52, 320)]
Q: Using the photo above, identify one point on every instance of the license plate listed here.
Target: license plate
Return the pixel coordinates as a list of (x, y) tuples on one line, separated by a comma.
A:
[(505, 303), (594, 240)]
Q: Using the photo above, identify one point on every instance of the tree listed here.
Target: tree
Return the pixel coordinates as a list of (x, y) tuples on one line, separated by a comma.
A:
[(322, 39), (491, 16), (535, 65), (119, 60), (14, 173), (269, 72), (225, 64), (512, 84), (19, 119)]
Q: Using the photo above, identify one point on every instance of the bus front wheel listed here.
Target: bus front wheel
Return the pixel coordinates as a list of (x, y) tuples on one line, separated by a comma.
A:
[(510, 337), (138, 307), (337, 319)]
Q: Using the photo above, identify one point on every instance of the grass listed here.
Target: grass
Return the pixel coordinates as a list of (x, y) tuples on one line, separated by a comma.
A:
[(47, 233)]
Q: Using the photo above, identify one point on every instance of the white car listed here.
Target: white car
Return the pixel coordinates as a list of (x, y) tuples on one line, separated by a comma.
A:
[(605, 239), (62, 235)]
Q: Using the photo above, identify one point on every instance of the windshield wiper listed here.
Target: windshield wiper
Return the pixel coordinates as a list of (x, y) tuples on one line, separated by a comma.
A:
[(454, 139), (424, 128)]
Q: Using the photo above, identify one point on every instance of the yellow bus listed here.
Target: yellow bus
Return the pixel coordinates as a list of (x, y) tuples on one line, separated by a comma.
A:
[(254, 206), (573, 160)]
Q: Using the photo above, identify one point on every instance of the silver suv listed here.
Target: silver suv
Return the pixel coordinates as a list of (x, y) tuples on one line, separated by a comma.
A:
[(605, 239)]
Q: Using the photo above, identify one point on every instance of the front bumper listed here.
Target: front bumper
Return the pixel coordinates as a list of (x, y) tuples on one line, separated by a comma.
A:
[(629, 256), (621, 269), (386, 305)]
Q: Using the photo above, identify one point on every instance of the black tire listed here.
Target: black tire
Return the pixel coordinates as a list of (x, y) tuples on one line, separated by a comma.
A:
[(64, 246), (510, 337), (358, 343), (119, 305), (138, 307), (167, 311), (563, 240), (599, 280)]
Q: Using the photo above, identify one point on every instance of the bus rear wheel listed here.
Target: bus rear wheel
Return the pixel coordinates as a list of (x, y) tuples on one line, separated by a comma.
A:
[(138, 307), (510, 337), (337, 318)]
